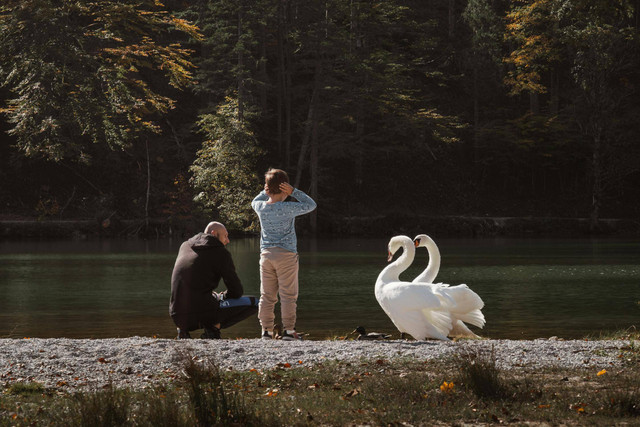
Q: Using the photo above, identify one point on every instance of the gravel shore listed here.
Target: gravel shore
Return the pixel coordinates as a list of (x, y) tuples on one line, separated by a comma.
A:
[(138, 362)]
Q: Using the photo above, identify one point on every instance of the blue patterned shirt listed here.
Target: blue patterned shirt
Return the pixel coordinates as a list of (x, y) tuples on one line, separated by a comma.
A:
[(277, 220)]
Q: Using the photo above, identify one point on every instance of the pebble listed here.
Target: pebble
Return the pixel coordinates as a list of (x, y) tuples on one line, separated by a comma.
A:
[(140, 362)]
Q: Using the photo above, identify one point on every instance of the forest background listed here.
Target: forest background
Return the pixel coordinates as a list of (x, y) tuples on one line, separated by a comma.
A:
[(173, 111)]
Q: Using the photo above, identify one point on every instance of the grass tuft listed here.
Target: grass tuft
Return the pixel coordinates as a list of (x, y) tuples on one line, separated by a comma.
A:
[(212, 403), (108, 407), (631, 333), (25, 389), (623, 400), (480, 373), (160, 408)]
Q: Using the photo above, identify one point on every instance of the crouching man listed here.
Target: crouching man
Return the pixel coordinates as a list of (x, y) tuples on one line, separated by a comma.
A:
[(202, 261)]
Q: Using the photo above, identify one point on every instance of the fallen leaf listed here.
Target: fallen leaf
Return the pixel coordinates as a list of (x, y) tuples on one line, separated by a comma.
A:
[(579, 408), (447, 387), (272, 392), (352, 393), (604, 371)]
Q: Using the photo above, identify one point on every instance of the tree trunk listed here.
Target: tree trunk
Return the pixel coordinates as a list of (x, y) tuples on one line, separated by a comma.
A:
[(554, 102), (452, 18), (596, 189), (354, 46), (281, 79), (312, 118), (287, 87), (263, 70), (307, 137), (359, 146), (146, 204), (352, 29), (476, 115), (241, 94), (314, 170), (534, 102)]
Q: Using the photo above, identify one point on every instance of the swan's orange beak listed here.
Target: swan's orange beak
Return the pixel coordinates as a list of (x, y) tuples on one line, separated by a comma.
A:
[(416, 242), (390, 257)]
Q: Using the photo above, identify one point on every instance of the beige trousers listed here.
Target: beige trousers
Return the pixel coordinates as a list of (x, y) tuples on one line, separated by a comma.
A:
[(278, 276)]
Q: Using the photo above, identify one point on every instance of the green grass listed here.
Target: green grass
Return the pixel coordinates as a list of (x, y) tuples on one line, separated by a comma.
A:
[(631, 333), (25, 389), (466, 389)]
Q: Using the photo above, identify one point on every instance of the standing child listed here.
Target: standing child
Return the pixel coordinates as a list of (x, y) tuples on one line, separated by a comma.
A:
[(278, 251)]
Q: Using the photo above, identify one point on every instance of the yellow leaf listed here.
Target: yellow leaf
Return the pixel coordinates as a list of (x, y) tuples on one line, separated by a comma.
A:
[(447, 387), (604, 371)]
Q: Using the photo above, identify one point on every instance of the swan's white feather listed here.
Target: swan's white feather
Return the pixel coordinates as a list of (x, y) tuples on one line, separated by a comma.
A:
[(413, 308), (462, 303)]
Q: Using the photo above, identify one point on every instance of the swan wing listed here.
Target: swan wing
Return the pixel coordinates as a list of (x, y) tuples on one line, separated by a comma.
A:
[(467, 304), (465, 298), (408, 296), (415, 309), (423, 324)]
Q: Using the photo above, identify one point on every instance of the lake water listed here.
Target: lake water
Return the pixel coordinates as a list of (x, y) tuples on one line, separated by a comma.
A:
[(117, 288)]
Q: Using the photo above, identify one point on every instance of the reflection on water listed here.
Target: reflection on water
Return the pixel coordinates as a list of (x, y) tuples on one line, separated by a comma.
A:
[(116, 288)]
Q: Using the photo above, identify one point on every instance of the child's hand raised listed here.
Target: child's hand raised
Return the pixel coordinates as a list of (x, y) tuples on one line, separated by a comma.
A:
[(286, 188)]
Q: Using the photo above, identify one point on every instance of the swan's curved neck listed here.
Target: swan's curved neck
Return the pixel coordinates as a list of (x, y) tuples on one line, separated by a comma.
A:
[(391, 273), (429, 274)]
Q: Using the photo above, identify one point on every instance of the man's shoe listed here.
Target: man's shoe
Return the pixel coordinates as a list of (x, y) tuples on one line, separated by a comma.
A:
[(288, 335), (267, 336), (211, 334), (183, 335)]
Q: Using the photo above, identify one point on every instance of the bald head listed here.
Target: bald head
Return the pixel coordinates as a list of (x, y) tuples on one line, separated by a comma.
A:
[(218, 230), (214, 226)]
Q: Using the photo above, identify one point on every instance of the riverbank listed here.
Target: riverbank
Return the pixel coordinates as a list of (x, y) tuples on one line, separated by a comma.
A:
[(446, 226), (138, 363), (159, 382)]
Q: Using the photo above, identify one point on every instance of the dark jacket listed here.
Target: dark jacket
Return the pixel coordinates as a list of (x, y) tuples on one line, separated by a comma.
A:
[(202, 261)]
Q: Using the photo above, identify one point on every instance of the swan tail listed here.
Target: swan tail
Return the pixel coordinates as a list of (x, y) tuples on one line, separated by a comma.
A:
[(461, 330), (466, 299), (473, 317), (441, 321)]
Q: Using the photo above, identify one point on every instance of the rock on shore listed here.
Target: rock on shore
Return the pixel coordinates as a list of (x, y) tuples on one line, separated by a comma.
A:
[(138, 362)]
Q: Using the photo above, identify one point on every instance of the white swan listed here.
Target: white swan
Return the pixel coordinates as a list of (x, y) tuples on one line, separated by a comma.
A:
[(463, 304), (412, 307)]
